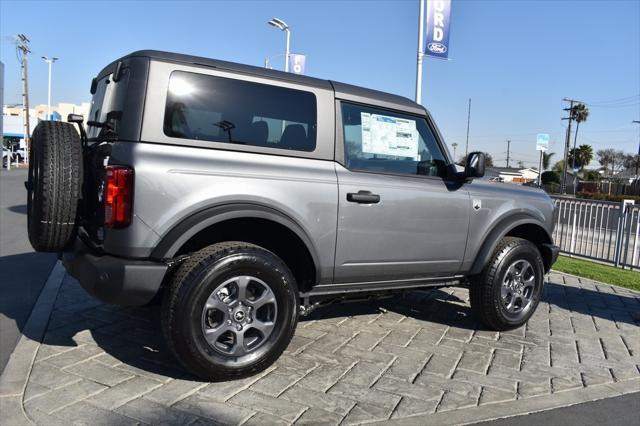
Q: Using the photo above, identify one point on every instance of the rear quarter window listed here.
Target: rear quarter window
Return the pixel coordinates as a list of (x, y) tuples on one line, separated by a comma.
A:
[(219, 109)]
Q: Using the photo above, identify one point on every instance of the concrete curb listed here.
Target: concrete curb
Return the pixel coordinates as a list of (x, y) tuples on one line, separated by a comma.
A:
[(16, 373), (521, 407)]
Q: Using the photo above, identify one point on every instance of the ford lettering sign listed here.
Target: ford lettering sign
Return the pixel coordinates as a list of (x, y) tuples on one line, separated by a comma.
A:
[(437, 47), (438, 19)]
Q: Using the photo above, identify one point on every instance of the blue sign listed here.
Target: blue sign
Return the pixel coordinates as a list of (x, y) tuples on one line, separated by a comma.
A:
[(297, 63), (438, 20), (542, 142)]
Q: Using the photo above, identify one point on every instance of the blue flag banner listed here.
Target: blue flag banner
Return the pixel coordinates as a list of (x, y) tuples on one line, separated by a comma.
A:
[(297, 63), (438, 20)]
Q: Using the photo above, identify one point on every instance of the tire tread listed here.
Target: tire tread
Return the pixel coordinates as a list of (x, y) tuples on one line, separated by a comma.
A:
[(57, 150)]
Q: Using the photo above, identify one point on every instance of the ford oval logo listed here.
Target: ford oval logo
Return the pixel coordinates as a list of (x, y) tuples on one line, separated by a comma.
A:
[(437, 47)]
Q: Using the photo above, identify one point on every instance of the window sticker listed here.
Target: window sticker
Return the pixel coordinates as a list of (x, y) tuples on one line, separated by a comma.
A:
[(386, 135)]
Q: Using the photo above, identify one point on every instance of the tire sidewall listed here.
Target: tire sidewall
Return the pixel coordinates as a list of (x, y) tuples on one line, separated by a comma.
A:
[(524, 251), (256, 263)]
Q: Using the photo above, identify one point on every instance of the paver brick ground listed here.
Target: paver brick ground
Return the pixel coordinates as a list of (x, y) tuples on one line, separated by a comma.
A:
[(418, 353)]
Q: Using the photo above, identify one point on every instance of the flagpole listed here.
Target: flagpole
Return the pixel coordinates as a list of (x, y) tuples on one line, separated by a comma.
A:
[(420, 53)]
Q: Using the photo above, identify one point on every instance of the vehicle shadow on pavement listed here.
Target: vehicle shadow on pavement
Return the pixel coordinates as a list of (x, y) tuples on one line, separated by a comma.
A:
[(20, 283), (132, 340), (20, 209)]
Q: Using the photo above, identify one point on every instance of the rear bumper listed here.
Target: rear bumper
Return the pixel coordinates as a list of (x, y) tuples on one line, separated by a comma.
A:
[(550, 255), (115, 280)]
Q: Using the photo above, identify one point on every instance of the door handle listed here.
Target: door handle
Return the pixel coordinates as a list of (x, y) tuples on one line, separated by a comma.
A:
[(363, 197)]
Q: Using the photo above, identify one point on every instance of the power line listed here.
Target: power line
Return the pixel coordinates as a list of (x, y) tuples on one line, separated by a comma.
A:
[(614, 101)]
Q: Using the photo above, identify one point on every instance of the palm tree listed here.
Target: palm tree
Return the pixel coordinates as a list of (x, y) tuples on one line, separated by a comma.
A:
[(580, 113), (584, 155), (546, 159)]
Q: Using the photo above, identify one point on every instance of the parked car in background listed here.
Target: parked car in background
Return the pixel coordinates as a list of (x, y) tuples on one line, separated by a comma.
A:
[(18, 154)]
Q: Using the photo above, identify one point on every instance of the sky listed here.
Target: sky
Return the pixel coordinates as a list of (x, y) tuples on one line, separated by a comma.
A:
[(515, 59)]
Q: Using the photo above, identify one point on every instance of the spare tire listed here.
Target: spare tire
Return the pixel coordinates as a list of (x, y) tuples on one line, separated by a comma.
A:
[(55, 185)]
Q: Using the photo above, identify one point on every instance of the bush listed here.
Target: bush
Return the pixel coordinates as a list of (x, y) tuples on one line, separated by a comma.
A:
[(550, 177), (607, 197)]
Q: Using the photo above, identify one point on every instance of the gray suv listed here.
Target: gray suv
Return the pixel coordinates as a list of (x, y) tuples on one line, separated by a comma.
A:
[(244, 197)]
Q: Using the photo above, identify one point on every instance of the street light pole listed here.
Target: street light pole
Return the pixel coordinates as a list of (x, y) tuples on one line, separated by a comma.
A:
[(286, 53), (466, 149), (420, 53), (50, 63), (282, 26)]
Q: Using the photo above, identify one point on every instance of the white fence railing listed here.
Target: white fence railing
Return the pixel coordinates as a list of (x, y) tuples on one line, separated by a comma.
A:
[(600, 230)]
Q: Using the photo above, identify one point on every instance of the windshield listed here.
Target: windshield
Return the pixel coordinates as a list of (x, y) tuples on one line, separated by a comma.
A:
[(106, 107)]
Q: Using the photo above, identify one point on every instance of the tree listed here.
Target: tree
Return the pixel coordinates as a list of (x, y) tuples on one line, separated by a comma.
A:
[(584, 155), (611, 160), (591, 175), (488, 160), (580, 113), (559, 166), (631, 161), (618, 162), (550, 177), (521, 164), (580, 157), (546, 159)]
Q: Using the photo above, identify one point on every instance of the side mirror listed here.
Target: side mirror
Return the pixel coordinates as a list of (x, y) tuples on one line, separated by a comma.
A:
[(474, 167)]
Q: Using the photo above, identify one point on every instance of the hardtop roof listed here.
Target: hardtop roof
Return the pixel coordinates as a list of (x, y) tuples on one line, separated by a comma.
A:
[(342, 90)]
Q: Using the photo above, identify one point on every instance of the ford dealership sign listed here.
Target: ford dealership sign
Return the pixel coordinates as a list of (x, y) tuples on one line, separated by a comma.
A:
[(438, 20)]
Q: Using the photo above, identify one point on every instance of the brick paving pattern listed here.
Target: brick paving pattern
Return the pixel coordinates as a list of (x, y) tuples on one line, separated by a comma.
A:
[(414, 354)]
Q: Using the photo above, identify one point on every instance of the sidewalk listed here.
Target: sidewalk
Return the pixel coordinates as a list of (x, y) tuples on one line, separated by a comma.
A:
[(418, 355)]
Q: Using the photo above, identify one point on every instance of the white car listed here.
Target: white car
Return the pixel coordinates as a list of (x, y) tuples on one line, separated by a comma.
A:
[(19, 154)]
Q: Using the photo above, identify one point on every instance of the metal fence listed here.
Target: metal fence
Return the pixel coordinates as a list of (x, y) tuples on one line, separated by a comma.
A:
[(600, 230)]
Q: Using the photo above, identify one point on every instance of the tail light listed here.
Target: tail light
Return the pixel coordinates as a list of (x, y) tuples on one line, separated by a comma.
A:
[(118, 200)]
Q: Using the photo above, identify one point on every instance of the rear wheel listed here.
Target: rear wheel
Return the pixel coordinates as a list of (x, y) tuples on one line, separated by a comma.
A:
[(230, 310), (54, 186), (507, 292)]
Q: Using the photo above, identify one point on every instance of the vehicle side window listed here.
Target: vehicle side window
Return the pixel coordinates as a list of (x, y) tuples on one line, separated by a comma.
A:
[(383, 141), (219, 109)]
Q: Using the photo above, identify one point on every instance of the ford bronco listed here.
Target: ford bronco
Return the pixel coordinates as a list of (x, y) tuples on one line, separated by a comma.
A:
[(244, 197)]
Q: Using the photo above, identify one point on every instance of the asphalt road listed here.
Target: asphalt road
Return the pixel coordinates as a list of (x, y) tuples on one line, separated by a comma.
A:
[(22, 271), (620, 411)]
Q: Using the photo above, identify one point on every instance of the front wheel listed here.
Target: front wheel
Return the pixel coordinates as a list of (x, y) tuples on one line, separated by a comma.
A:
[(506, 293), (230, 310)]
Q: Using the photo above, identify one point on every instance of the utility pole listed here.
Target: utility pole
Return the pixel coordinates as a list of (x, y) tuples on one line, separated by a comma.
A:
[(466, 151), (420, 54), (540, 170), (638, 156), (508, 151), (567, 144), (23, 48)]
